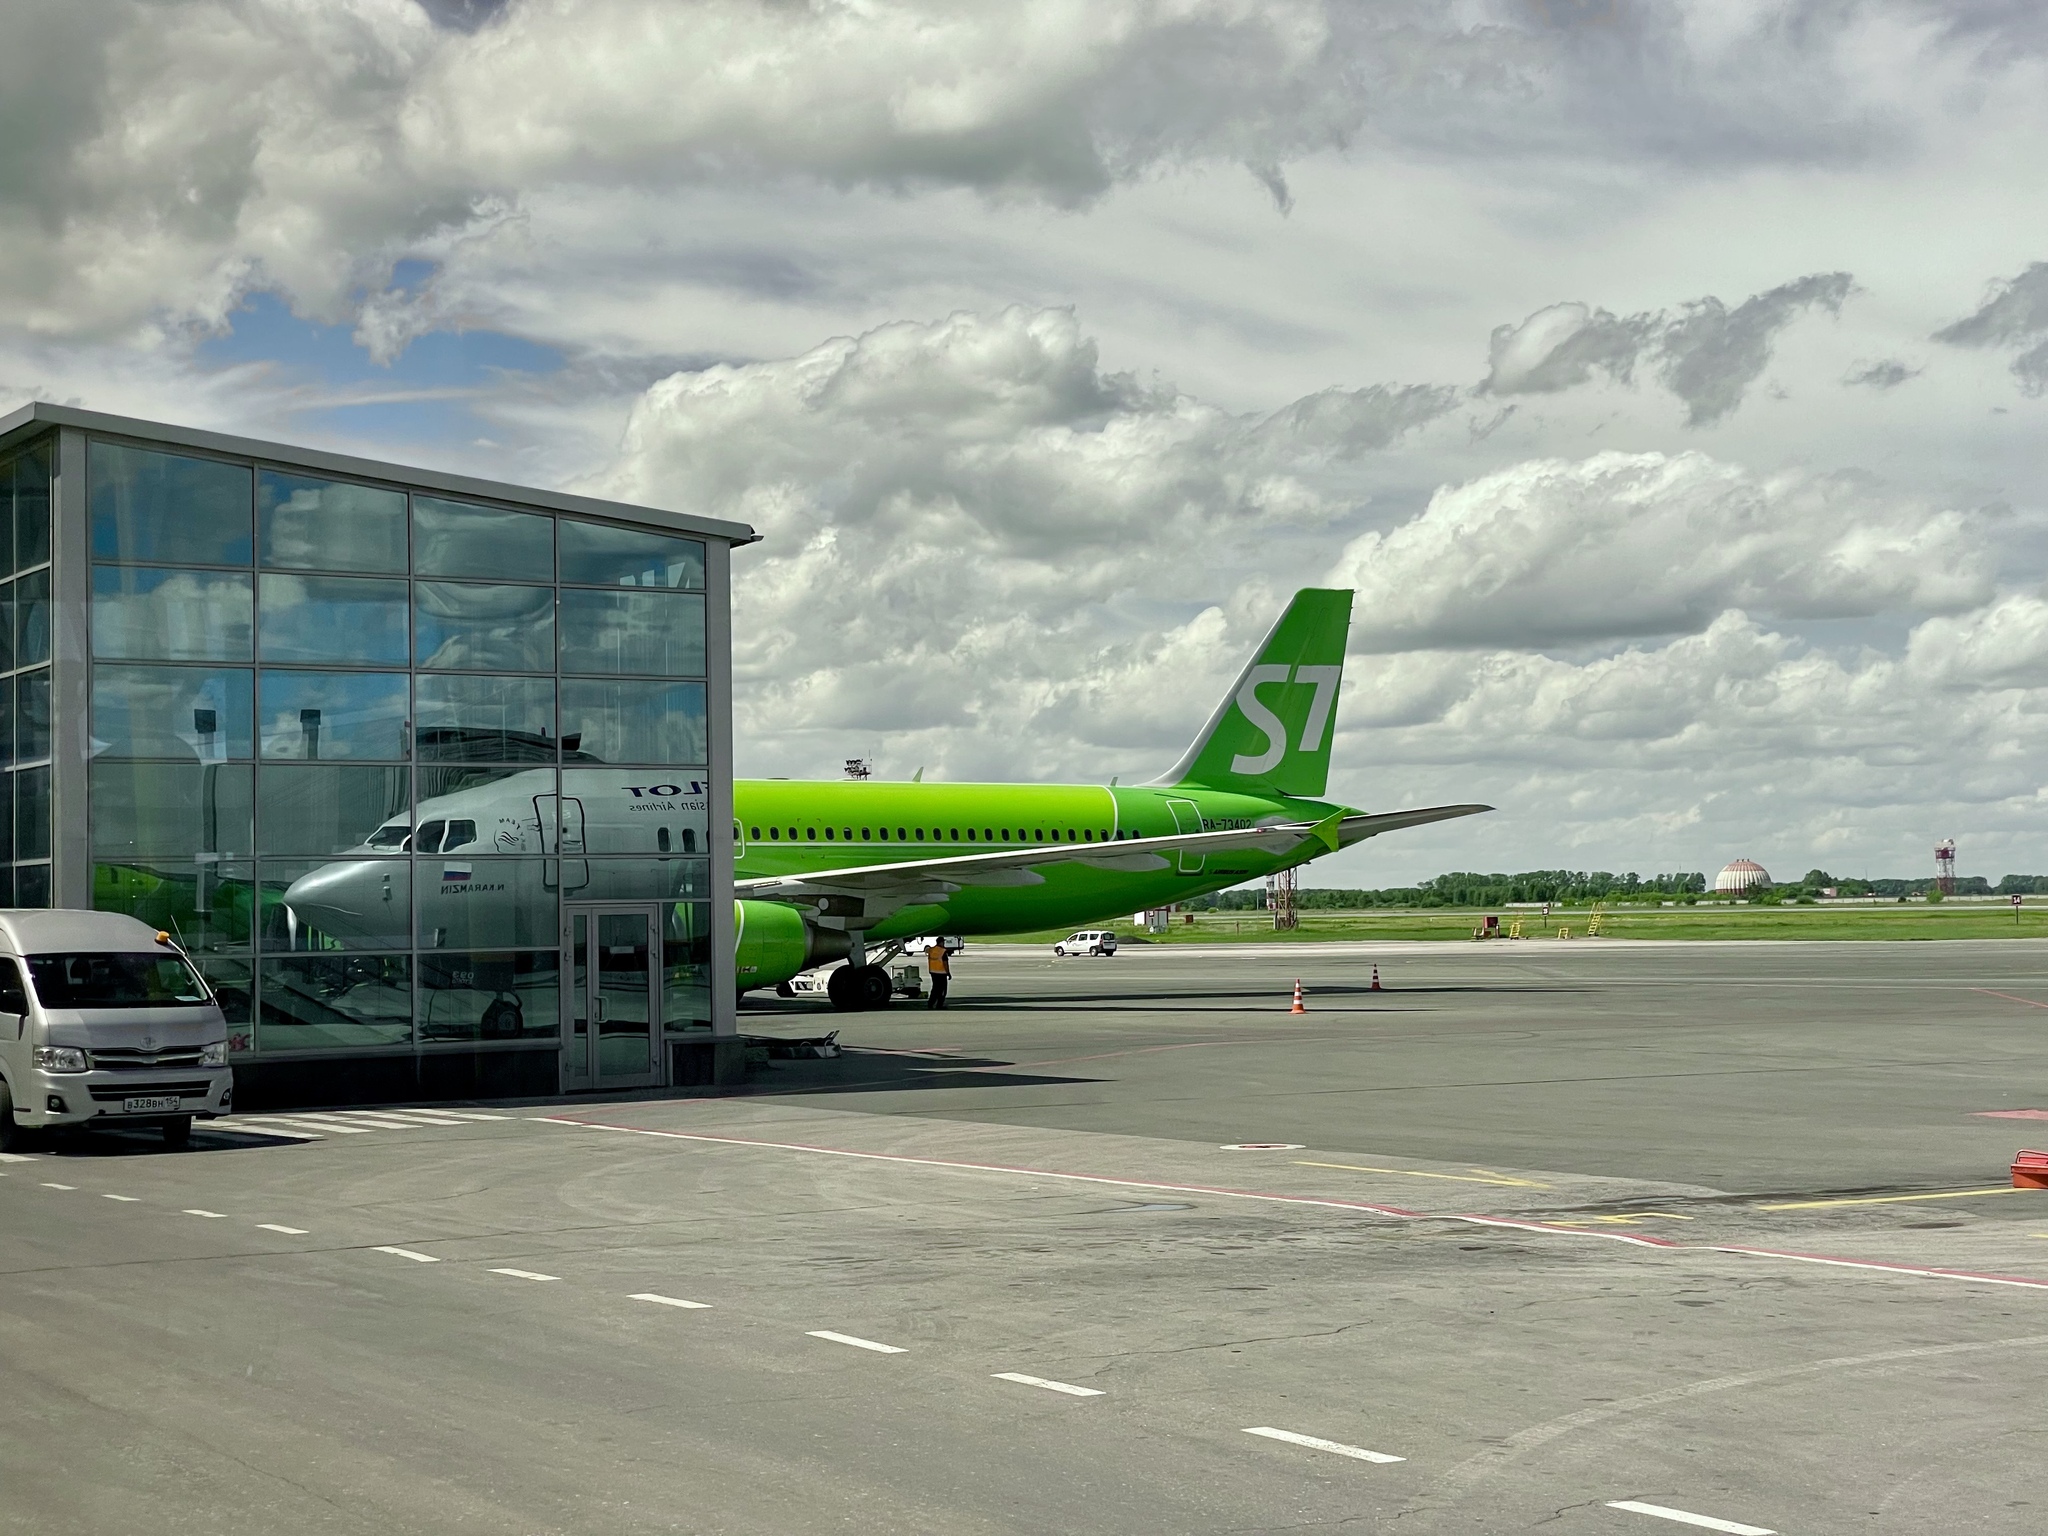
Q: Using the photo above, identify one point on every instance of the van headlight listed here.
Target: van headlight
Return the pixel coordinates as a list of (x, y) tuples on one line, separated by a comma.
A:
[(214, 1054), (62, 1058)]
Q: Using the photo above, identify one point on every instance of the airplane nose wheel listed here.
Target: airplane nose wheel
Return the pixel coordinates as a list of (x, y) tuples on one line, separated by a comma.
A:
[(859, 988)]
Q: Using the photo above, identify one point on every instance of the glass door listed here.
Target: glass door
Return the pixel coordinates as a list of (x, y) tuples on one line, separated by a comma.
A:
[(612, 1022)]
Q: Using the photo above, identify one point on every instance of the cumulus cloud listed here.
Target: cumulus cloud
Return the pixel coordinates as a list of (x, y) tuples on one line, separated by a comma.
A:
[(968, 519), (1706, 353), (168, 157), (2013, 314), (1558, 552)]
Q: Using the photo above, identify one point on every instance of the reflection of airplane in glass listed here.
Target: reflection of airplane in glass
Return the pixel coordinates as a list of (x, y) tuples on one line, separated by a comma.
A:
[(824, 870)]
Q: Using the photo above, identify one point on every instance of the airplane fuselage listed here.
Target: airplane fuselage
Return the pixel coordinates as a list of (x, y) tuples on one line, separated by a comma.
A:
[(789, 827)]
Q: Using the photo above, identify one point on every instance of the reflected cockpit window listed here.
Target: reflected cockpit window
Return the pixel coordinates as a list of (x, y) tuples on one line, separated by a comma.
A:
[(394, 835)]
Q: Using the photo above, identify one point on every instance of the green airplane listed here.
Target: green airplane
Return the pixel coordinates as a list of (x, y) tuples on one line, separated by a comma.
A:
[(848, 869)]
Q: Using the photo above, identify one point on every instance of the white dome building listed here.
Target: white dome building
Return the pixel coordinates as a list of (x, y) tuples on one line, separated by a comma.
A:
[(1742, 876)]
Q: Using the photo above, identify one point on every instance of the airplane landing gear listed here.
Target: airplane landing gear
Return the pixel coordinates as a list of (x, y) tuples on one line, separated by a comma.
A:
[(858, 988)]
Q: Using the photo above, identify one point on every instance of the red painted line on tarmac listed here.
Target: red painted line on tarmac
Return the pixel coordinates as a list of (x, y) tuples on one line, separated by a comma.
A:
[(2009, 997), (2010, 1114), (1631, 1239)]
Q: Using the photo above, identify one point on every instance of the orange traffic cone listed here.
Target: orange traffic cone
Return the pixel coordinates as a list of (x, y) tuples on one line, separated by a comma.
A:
[(1376, 980), (1297, 1008)]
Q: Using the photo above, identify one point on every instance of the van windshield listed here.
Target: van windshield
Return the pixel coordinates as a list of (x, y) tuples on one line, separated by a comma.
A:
[(116, 981)]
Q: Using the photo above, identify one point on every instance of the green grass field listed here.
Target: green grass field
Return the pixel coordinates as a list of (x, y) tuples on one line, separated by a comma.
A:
[(1889, 920)]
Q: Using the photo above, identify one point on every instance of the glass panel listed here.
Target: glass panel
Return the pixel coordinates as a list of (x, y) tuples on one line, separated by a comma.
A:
[(647, 880), (32, 507), (6, 625), (503, 995), (338, 904), (624, 1009), (635, 722), (150, 811), (455, 538), (7, 566), (32, 815), (6, 816), (335, 618), (32, 618), (209, 906), (334, 715), (316, 809), (686, 963), (658, 634), (468, 903), (577, 1057), (508, 629), (638, 810), (234, 988), (319, 1002), (6, 885), (501, 805), (177, 712), (6, 720), (32, 716), (31, 885), (329, 525), (149, 507), (152, 615), (485, 719), (599, 555)]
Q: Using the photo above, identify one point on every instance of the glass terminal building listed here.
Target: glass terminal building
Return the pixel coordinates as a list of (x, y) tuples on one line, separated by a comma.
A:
[(428, 773)]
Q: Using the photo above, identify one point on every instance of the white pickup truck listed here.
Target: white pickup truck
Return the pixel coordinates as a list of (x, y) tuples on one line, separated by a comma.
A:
[(104, 1022)]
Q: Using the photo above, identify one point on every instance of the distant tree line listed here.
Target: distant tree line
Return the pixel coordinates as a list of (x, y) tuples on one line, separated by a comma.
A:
[(1575, 887)]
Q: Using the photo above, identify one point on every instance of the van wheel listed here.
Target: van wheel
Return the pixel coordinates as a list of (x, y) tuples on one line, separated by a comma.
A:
[(10, 1133), (178, 1133)]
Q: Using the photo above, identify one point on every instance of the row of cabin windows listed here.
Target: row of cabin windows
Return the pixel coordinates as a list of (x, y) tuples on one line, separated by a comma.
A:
[(917, 834)]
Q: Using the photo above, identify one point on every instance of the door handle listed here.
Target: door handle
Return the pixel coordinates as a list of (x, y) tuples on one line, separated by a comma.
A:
[(603, 1014)]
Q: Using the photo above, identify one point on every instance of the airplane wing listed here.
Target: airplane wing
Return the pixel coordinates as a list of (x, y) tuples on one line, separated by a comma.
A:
[(871, 890)]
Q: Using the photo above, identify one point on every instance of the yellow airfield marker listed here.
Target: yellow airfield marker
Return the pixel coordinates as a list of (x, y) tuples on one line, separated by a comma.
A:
[(1945, 1194), (1416, 1173)]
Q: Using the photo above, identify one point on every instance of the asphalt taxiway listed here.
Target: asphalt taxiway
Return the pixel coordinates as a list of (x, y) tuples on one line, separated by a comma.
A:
[(1580, 1237)]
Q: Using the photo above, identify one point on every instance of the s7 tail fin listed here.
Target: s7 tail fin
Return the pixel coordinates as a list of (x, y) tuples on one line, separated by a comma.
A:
[(1272, 731)]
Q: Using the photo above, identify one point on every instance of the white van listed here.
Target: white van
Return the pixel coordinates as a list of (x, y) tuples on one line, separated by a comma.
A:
[(1090, 941), (104, 1022)]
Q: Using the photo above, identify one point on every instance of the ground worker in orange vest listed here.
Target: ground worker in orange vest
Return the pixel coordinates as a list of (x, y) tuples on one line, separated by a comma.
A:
[(939, 964)]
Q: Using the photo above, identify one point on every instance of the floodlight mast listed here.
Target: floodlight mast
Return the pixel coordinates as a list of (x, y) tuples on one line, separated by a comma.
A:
[(1945, 866)]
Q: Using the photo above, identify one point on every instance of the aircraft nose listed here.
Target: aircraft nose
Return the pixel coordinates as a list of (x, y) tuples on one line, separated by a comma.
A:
[(345, 900)]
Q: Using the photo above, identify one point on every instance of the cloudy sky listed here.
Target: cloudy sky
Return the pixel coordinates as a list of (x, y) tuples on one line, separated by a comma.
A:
[(1669, 379)]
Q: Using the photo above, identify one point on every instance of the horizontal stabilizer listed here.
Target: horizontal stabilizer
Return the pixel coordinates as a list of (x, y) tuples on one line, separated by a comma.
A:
[(1356, 829)]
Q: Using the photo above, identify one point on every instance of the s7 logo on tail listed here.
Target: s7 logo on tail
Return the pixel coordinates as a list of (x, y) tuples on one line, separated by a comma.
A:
[(1324, 679)]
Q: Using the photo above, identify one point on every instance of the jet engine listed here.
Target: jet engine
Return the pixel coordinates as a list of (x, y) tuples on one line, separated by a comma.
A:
[(774, 942)]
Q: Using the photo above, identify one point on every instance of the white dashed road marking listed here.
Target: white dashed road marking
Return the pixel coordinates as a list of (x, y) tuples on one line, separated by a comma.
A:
[(251, 1126), (1686, 1517), (524, 1274), (124, 1199), (1317, 1443), (333, 1123), (1051, 1386), (403, 1117), (15, 1157), (271, 1226), (668, 1301), (48, 1185), (847, 1338), (407, 1253)]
